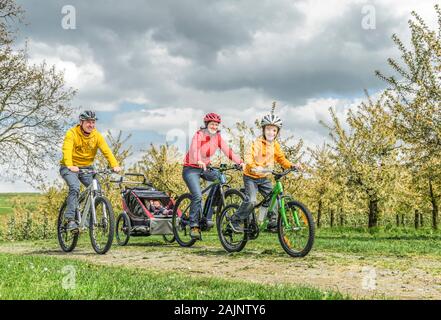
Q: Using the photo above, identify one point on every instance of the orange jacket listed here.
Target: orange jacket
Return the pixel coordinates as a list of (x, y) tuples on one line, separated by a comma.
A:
[(263, 153)]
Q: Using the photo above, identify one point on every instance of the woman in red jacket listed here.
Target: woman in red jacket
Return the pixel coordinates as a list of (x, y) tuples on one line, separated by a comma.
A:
[(204, 145)]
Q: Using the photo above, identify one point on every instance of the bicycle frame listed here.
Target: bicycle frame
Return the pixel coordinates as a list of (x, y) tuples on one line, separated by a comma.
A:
[(218, 183), (215, 189), (277, 197), (91, 193)]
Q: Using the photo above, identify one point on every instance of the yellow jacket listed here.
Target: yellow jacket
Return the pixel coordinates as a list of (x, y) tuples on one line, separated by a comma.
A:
[(80, 150), (264, 154)]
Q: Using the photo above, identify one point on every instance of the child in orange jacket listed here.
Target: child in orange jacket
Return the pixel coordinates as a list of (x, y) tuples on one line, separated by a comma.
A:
[(265, 151)]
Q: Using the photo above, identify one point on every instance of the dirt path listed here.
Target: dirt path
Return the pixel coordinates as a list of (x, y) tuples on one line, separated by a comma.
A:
[(358, 276)]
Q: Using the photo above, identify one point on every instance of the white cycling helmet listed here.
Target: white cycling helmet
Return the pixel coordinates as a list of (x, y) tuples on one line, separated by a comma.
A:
[(271, 119)]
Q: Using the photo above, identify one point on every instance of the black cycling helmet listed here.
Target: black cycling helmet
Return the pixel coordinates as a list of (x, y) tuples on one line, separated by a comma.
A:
[(88, 115)]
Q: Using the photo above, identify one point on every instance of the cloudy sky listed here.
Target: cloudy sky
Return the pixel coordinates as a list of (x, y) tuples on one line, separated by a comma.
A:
[(153, 68)]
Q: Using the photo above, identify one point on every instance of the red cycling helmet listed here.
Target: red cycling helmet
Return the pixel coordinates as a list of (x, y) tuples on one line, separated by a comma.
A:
[(212, 117)]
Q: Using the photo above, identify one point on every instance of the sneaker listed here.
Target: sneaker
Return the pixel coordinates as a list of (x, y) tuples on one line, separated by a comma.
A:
[(210, 224), (195, 233), (72, 226)]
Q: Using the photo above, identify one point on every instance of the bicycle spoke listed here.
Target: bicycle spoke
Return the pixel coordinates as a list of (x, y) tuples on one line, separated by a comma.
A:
[(297, 234), (101, 232), (181, 224)]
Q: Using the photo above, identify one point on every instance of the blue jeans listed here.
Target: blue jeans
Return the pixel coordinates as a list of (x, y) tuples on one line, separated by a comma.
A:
[(252, 186), (192, 178), (73, 180)]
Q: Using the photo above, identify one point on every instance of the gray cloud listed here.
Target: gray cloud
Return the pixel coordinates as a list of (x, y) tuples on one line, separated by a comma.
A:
[(211, 54), (340, 60)]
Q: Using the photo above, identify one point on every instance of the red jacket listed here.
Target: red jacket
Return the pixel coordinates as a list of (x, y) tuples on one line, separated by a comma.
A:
[(204, 146)]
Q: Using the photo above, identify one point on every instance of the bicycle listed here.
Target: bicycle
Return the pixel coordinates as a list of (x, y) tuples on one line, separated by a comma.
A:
[(94, 212), (216, 200), (295, 225)]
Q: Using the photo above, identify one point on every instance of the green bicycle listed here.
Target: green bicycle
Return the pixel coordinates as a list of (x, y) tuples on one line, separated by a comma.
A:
[(295, 225)]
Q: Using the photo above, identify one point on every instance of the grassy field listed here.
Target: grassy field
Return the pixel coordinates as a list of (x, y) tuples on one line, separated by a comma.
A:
[(407, 263), (7, 201), (28, 277), (408, 266)]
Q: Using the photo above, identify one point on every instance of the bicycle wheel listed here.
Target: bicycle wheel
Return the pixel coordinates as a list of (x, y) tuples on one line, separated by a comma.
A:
[(231, 241), (169, 238), (102, 231), (297, 237), (122, 230), (233, 196), (68, 240), (181, 221)]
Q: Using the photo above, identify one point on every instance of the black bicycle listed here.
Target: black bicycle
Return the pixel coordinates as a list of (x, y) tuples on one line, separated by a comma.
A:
[(220, 195)]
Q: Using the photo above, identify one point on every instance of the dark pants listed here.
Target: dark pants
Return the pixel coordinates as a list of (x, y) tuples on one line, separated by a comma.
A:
[(252, 186), (73, 180), (192, 178)]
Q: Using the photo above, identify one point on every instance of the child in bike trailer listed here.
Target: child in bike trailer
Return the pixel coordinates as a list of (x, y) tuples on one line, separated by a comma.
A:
[(157, 208), (264, 152), (79, 149), (204, 145)]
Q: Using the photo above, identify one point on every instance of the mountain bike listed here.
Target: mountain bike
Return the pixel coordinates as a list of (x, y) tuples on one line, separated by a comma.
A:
[(94, 213), (220, 194), (295, 225)]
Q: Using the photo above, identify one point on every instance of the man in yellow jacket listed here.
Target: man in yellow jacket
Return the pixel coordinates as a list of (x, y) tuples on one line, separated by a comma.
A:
[(80, 146)]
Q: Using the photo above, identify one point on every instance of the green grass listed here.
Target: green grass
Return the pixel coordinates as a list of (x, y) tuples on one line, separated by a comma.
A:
[(7, 201), (25, 277), (392, 243), (30, 277)]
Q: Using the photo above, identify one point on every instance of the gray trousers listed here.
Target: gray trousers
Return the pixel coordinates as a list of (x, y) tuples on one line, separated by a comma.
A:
[(73, 180), (252, 186), (192, 177)]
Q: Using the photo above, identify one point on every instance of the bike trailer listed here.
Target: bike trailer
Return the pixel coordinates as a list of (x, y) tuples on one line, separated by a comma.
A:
[(150, 211)]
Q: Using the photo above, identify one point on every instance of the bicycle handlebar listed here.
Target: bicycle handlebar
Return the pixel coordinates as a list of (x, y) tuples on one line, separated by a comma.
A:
[(224, 168), (143, 182), (93, 171), (280, 174)]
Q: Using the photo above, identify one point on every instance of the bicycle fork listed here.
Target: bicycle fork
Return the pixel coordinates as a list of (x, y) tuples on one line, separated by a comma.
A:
[(282, 208)]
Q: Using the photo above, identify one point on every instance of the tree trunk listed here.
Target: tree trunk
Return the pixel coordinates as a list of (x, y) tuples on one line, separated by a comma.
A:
[(434, 206), (421, 220), (402, 220), (373, 213), (332, 218), (417, 219), (319, 213), (398, 219), (341, 217)]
